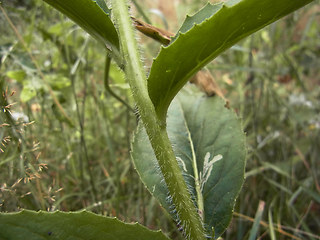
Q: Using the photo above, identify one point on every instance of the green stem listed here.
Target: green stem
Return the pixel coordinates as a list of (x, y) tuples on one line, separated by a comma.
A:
[(156, 129)]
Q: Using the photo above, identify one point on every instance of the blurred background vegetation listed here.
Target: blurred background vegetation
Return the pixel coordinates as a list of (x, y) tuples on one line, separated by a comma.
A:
[(65, 140)]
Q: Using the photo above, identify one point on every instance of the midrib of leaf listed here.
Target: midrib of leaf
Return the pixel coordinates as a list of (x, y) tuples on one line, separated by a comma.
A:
[(199, 43), (213, 129), (195, 172)]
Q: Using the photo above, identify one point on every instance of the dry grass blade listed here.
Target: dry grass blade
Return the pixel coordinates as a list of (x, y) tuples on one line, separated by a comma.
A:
[(153, 32), (278, 228)]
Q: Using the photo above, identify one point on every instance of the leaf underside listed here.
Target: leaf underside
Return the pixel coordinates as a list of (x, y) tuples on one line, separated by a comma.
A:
[(214, 130), (93, 17), (72, 226), (203, 37)]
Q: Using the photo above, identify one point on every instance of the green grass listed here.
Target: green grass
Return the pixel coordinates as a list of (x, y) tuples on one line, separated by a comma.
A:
[(74, 151)]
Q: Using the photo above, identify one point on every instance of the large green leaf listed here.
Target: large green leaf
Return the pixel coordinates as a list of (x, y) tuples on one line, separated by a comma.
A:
[(93, 17), (72, 226), (202, 126), (204, 36)]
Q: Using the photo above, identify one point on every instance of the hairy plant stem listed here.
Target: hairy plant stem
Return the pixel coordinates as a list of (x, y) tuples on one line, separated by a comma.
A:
[(155, 127)]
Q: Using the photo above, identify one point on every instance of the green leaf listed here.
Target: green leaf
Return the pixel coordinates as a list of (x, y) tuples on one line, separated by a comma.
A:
[(257, 220), (58, 29), (102, 4), (93, 17), (18, 75), (72, 226), (199, 128), (28, 92), (58, 81), (203, 37)]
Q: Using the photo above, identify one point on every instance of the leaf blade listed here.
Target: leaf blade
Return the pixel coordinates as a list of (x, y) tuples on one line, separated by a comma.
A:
[(217, 134), (72, 225), (93, 17), (206, 35)]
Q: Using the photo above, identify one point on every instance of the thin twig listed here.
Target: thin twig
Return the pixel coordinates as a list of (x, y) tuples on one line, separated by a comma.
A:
[(107, 84)]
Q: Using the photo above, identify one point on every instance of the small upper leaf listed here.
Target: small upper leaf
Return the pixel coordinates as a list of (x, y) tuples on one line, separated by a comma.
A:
[(207, 135), (72, 226), (103, 5), (93, 17), (199, 17), (203, 37)]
